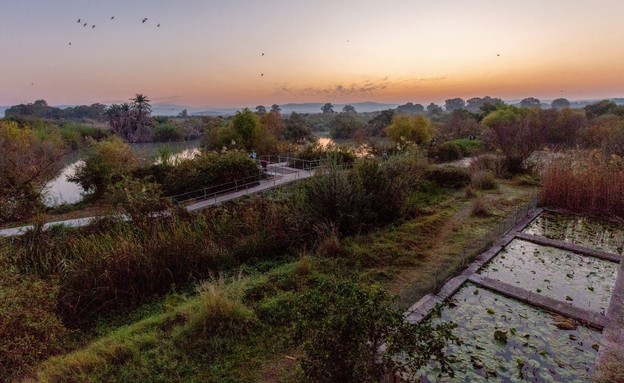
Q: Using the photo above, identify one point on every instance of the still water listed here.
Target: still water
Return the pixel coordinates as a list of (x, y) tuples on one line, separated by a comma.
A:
[(60, 191)]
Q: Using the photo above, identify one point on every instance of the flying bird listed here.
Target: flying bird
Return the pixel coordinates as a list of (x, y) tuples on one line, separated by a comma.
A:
[(498, 54), (144, 20), (70, 43), (262, 75), (158, 26), (78, 21), (262, 54), (112, 17), (93, 26), (84, 25)]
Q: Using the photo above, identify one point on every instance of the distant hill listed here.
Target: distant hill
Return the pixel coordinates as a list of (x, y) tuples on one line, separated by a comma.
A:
[(2, 109)]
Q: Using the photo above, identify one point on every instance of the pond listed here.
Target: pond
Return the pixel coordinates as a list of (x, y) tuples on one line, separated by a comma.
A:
[(508, 341), (581, 231), (60, 191), (581, 281)]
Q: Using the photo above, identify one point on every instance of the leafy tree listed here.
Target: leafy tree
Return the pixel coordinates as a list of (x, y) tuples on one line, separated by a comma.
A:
[(380, 122), (327, 108), (476, 103), (434, 110), (30, 157), (416, 129), (461, 125), (105, 164), (183, 113), (514, 131), (246, 127), (260, 110), (273, 123), (275, 108), (560, 103), (344, 126), (349, 109), (410, 108), (603, 107), (297, 129), (530, 102), (454, 104), (341, 327)]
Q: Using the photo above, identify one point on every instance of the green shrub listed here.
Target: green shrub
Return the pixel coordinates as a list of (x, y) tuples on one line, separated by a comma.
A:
[(166, 132), (31, 331), (209, 170), (341, 327), (468, 147), (449, 176), (445, 152)]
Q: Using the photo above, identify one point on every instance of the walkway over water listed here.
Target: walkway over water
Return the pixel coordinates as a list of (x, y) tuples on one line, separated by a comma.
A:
[(274, 175)]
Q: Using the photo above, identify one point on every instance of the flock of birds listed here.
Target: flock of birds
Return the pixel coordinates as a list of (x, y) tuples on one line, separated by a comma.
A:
[(84, 25)]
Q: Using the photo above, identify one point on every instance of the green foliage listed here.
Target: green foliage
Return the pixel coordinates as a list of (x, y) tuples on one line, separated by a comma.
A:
[(106, 163), (140, 200), (297, 129), (364, 196), (246, 126), (446, 152), (29, 326), (468, 147), (345, 125), (603, 107), (75, 134), (341, 327), (449, 176), (515, 132), (166, 132), (415, 129), (207, 170)]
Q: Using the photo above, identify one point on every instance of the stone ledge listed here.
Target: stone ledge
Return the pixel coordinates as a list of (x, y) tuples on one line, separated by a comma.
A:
[(570, 247)]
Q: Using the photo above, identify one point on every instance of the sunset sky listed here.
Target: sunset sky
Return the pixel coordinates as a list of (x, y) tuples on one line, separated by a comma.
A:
[(209, 53)]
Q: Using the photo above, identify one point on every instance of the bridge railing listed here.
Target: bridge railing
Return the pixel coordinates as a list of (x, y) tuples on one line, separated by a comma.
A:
[(215, 190)]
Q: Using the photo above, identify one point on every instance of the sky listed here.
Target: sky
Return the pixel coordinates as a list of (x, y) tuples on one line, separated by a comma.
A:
[(210, 53)]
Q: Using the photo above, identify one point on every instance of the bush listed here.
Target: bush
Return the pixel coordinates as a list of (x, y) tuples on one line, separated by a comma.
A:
[(445, 152), (106, 163), (483, 180), (449, 176), (31, 331), (341, 327), (209, 170), (166, 132), (468, 147), (479, 209)]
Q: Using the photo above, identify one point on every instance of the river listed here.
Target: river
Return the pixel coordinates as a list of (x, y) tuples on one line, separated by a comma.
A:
[(60, 191)]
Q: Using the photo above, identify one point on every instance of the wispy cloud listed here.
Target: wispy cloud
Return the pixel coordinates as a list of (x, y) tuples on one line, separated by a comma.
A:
[(366, 87)]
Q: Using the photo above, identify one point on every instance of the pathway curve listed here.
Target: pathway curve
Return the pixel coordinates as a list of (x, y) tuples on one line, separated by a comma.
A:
[(281, 176)]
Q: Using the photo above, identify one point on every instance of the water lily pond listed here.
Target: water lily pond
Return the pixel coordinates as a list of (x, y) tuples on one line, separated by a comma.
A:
[(579, 230), (506, 340), (581, 281)]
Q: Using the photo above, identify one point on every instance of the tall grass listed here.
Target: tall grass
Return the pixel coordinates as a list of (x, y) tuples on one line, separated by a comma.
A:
[(585, 181), (123, 264)]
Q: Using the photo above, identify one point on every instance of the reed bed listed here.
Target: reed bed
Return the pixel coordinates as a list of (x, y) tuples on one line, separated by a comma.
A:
[(585, 182)]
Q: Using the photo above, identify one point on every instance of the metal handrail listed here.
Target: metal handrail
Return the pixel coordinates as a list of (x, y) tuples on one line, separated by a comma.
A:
[(209, 192)]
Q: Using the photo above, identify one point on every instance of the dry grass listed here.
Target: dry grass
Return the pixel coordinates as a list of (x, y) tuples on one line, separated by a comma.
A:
[(585, 182)]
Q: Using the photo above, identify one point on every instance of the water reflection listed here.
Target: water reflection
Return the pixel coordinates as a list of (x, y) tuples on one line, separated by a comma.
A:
[(60, 191)]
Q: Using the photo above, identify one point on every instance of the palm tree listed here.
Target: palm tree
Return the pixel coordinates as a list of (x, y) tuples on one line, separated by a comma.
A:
[(142, 108)]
